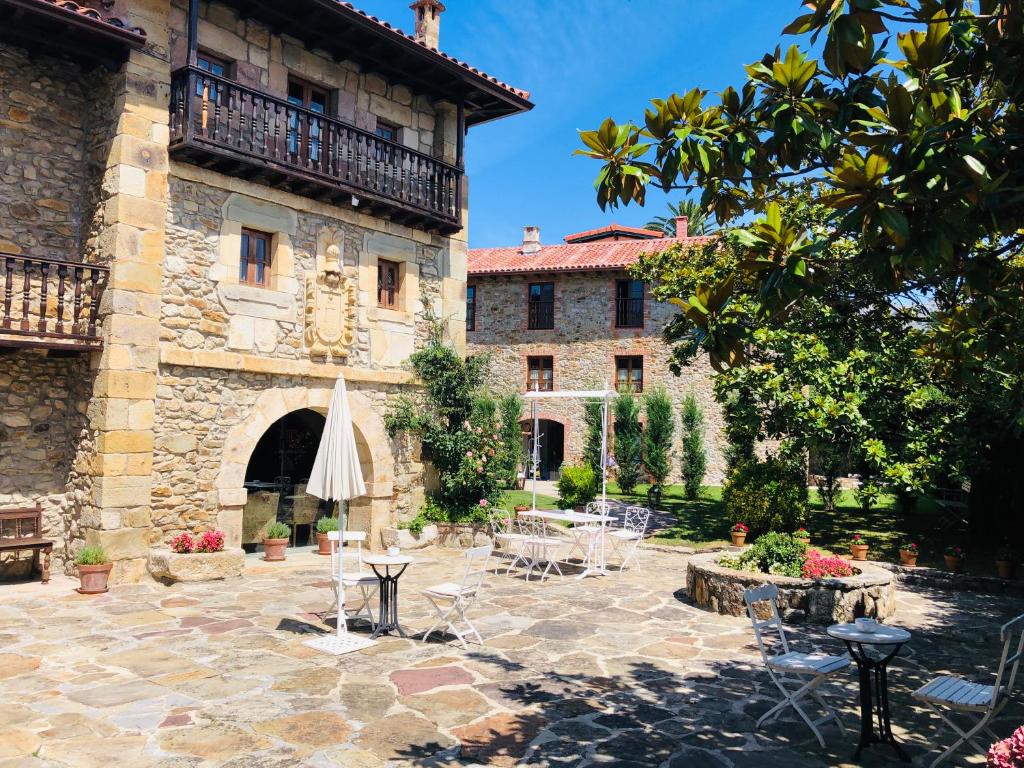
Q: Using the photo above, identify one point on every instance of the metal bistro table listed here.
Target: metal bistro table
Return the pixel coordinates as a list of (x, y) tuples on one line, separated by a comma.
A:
[(583, 538), (868, 667), (387, 618)]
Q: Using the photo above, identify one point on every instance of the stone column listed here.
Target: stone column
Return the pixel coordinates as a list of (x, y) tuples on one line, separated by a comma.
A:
[(130, 236)]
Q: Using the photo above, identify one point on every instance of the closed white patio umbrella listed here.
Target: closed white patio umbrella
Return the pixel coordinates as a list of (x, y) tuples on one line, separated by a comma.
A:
[(336, 474)]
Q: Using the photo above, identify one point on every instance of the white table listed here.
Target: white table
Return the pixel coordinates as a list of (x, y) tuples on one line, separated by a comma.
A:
[(581, 518), (387, 618)]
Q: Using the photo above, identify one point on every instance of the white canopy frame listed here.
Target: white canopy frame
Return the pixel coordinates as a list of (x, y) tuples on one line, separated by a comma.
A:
[(605, 396)]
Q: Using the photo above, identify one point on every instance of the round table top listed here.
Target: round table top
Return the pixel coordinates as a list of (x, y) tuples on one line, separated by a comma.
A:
[(883, 635), (387, 560)]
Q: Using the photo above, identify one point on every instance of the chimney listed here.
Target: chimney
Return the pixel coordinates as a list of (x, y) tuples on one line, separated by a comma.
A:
[(682, 227), (428, 21), (531, 240)]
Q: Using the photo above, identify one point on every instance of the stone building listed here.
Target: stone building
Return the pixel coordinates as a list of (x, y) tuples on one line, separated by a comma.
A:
[(208, 210), (570, 317)]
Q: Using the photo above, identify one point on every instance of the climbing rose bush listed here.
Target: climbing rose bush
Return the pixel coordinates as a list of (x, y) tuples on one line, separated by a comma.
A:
[(1008, 753), (183, 544), (818, 566), (211, 541)]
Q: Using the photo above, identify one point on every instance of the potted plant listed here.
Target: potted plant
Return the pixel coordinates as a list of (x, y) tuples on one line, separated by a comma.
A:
[(324, 526), (802, 535), (858, 547), (738, 534), (954, 557), (183, 544), (908, 555), (275, 541), (1005, 563), (93, 570)]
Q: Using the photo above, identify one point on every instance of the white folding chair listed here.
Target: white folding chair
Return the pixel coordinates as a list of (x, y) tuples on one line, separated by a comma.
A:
[(365, 581), (507, 541), (538, 546), (626, 540), (450, 600), (970, 699), (796, 675)]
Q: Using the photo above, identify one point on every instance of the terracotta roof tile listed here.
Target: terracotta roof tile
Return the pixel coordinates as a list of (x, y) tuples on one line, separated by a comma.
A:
[(611, 230), (91, 13), (573, 257)]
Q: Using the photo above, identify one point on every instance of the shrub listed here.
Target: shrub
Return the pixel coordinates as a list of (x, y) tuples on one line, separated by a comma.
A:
[(91, 556), (818, 566), (510, 439), (628, 447), (592, 415), (277, 530), (778, 553), (577, 487), (769, 495), (657, 437), (695, 459), (1008, 753), (327, 524), (183, 544), (210, 542)]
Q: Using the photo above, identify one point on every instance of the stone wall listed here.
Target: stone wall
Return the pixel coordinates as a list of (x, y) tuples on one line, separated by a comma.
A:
[(42, 429), (584, 344)]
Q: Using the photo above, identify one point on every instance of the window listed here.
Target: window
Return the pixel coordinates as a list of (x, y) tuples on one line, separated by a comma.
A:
[(470, 307), (540, 373), (629, 373), (387, 130), (215, 66), (629, 304), (304, 131), (254, 263), (541, 316), (387, 284)]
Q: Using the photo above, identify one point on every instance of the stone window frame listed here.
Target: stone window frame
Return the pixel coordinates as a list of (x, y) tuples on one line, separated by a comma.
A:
[(378, 246), (383, 265), (245, 256), (243, 212)]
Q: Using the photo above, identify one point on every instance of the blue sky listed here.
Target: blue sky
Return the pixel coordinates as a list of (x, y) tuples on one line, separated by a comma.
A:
[(583, 60)]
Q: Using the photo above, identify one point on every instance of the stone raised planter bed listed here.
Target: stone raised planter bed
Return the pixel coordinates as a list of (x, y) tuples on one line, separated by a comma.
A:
[(462, 536), (872, 592), (405, 539), (165, 565)]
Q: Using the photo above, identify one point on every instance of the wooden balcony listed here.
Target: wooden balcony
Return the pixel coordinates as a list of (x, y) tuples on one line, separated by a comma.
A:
[(50, 303), (219, 124)]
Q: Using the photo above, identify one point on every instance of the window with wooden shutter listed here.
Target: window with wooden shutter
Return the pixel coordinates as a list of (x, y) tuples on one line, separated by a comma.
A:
[(387, 284), (541, 307), (470, 307), (629, 373), (254, 259), (540, 374)]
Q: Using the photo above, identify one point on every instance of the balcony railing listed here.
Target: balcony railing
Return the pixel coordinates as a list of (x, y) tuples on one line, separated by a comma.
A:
[(50, 303), (237, 130), (629, 313), (541, 316)]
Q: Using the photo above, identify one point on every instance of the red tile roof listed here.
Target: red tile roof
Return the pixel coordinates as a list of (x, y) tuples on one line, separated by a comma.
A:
[(613, 230), (83, 13), (573, 257)]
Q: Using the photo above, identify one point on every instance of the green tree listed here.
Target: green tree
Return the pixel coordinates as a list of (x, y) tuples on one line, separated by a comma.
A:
[(695, 460), (628, 445), (510, 435), (592, 444), (699, 221), (657, 437)]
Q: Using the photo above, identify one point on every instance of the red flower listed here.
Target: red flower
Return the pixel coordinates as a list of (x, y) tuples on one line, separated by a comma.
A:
[(210, 541), (183, 544)]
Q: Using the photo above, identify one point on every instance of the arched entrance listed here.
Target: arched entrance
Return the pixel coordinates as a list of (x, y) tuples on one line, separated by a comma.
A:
[(552, 445), (370, 513)]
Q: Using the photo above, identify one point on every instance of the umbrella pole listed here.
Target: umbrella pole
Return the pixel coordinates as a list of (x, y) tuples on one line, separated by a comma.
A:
[(536, 448), (604, 473), (342, 628)]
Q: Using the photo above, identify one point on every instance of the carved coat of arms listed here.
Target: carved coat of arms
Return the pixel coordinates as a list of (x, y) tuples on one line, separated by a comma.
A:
[(330, 308)]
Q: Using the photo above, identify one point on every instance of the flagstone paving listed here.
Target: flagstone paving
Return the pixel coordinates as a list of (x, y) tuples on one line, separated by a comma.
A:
[(616, 671)]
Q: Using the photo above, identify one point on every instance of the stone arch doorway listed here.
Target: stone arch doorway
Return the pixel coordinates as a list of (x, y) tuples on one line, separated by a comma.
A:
[(370, 513), (552, 445)]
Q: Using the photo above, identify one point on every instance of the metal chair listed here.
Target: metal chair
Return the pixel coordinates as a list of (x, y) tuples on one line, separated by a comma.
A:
[(365, 581), (796, 675), (507, 542), (450, 600), (626, 540), (537, 546), (970, 699)]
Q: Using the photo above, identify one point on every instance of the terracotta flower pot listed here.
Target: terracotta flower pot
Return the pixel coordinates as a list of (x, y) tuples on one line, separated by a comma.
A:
[(954, 564), (1005, 569), (94, 578), (805, 540), (521, 508), (323, 543), (859, 551), (273, 550), (738, 539), (908, 559)]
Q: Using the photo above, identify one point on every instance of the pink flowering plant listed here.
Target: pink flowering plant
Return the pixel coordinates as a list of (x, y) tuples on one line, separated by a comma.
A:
[(956, 551), (857, 540), (819, 566), (739, 528), (1008, 753), (910, 547), (183, 544), (210, 541)]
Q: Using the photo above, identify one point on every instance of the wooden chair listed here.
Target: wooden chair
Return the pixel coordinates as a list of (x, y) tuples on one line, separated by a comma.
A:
[(22, 530), (971, 699), (790, 669), (450, 600)]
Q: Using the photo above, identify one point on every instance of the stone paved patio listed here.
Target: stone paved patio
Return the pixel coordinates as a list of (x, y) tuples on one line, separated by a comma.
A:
[(619, 671)]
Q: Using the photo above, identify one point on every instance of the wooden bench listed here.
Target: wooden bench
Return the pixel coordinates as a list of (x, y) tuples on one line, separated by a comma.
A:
[(22, 529)]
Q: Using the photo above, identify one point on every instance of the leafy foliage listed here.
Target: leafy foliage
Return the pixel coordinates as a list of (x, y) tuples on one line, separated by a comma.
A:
[(327, 524), (628, 443), (577, 486), (657, 437), (510, 439), (768, 495), (276, 530), (91, 556), (695, 460), (592, 443), (780, 554)]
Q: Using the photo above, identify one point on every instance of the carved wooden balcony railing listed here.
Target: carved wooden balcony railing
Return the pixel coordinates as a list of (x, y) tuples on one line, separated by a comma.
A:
[(243, 132), (50, 303)]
